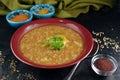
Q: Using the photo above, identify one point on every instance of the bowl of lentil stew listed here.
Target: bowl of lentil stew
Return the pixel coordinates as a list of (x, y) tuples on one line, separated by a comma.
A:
[(104, 65), (18, 18), (35, 43)]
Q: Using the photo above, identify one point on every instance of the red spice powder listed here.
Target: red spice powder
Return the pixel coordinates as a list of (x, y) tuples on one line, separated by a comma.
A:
[(104, 64), (20, 18)]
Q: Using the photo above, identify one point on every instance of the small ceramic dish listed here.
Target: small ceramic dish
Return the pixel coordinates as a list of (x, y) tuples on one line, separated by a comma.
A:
[(43, 10), (15, 20), (104, 65)]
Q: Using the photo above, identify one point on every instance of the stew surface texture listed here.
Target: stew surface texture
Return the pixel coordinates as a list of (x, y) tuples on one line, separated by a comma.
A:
[(33, 48)]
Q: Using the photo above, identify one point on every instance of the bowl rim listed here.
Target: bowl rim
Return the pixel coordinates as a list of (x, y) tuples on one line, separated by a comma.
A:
[(14, 43), (17, 11), (106, 56), (34, 6)]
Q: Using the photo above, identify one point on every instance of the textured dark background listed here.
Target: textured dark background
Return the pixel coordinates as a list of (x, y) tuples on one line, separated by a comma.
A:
[(107, 21)]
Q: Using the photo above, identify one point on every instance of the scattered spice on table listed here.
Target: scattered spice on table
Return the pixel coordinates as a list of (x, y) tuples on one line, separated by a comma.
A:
[(20, 18), (106, 42), (13, 70), (1, 58), (25, 76), (13, 66), (104, 64), (3, 78)]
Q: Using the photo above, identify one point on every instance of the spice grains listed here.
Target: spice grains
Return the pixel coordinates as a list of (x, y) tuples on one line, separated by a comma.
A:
[(104, 64), (20, 18), (106, 42)]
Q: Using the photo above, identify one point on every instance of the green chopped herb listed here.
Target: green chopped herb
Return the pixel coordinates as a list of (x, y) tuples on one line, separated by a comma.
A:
[(55, 42)]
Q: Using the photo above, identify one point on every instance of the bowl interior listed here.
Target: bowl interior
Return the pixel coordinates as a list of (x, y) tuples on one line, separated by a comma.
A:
[(55, 21)]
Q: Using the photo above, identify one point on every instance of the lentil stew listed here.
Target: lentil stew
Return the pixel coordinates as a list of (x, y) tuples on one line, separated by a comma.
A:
[(32, 47)]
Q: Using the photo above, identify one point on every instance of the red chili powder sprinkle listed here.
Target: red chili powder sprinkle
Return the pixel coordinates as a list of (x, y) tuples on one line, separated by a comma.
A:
[(20, 18), (104, 64)]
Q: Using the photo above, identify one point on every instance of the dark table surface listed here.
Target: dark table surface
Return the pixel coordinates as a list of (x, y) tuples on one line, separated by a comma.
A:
[(102, 24)]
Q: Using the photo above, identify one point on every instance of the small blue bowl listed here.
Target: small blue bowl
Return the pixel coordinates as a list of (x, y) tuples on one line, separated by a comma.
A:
[(15, 13), (36, 8)]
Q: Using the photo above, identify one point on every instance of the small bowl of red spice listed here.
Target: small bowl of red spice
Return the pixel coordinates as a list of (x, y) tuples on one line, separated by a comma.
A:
[(18, 18), (104, 65)]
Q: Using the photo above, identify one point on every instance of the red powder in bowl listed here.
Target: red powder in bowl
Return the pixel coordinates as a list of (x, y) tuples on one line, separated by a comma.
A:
[(104, 64), (20, 18)]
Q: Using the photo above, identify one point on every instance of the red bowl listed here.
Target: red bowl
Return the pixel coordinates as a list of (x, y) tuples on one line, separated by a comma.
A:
[(56, 21)]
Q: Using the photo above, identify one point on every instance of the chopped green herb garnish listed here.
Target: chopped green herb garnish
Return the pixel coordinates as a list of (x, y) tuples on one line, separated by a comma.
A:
[(55, 42)]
